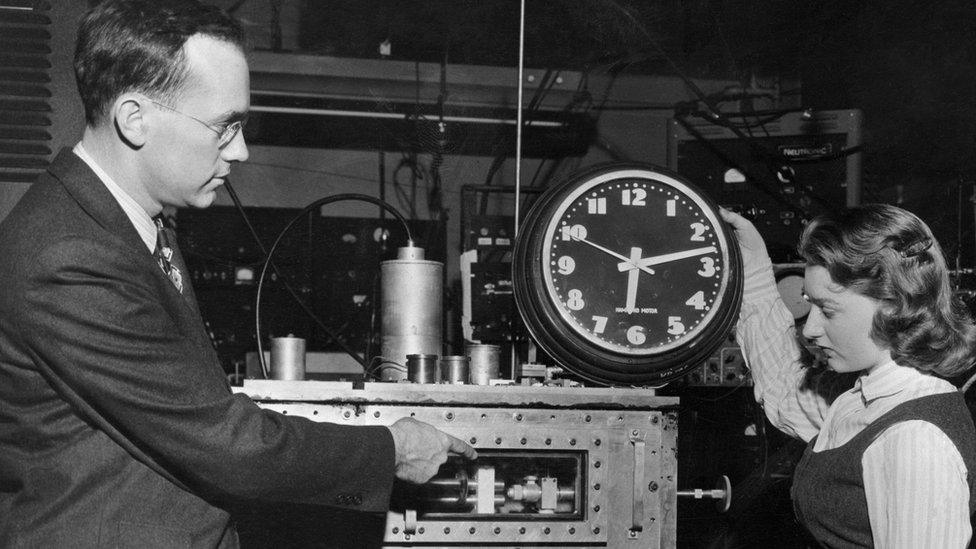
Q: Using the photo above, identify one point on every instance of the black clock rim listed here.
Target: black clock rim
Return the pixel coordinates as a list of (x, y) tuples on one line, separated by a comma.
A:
[(579, 355)]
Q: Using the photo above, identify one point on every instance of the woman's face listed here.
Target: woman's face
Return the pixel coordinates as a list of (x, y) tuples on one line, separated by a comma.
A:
[(840, 323)]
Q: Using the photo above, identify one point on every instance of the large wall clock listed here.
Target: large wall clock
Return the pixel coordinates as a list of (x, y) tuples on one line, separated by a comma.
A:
[(626, 275)]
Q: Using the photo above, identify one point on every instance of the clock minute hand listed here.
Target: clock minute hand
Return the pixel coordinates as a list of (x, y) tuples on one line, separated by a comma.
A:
[(626, 260), (665, 258)]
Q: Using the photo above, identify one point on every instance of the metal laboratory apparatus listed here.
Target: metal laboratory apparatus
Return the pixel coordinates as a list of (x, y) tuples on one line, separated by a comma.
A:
[(626, 277)]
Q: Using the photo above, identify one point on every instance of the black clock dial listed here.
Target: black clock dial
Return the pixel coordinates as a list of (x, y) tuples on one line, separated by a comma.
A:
[(628, 271)]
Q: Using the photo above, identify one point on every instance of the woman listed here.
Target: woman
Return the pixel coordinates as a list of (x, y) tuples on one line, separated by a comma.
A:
[(891, 442)]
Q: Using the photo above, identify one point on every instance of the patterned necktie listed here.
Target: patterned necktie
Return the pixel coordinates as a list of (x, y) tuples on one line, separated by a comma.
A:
[(164, 254)]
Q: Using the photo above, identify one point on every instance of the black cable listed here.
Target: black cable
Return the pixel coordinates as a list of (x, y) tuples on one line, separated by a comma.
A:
[(268, 261), (301, 303)]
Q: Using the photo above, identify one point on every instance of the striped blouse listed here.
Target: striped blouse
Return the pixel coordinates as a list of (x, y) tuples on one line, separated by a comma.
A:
[(914, 477)]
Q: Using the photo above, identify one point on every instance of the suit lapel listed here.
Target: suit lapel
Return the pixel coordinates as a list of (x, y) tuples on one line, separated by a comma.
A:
[(90, 193)]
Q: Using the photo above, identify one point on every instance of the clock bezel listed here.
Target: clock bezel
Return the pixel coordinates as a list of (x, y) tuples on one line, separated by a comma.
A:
[(557, 336), (633, 174)]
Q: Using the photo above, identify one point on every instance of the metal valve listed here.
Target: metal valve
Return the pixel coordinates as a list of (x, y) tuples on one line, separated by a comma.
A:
[(722, 493)]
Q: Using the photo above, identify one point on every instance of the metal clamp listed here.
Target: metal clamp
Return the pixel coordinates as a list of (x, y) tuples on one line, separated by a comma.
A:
[(637, 439)]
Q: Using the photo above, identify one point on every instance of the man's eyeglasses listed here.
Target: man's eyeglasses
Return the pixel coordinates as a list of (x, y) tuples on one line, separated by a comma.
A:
[(224, 135)]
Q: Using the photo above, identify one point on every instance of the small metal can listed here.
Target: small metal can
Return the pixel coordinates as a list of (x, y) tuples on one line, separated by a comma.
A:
[(484, 362), (287, 358), (422, 368), (454, 369)]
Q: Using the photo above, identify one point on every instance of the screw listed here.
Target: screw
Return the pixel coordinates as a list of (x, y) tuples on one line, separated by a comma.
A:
[(498, 440), (447, 530), (633, 534), (346, 414), (449, 416), (522, 530), (635, 432), (518, 417), (597, 464), (654, 420), (523, 441), (587, 419), (420, 530), (548, 441), (473, 440), (396, 530), (596, 486), (596, 508), (376, 414), (652, 486), (497, 530), (572, 531), (472, 530), (596, 529), (572, 442), (546, 530), (596, 442)]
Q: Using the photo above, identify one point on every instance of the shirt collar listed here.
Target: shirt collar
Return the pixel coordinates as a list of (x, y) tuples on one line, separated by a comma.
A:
[(885, 380), (140, 219)]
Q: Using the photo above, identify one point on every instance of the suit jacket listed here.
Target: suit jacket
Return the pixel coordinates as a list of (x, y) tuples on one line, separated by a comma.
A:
[(117, 425)]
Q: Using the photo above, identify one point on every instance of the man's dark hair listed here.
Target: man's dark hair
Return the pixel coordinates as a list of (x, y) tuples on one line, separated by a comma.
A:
[(137, 45)]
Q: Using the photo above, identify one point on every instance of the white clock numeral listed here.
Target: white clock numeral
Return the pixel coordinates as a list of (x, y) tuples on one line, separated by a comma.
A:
[(570, 232), (699, 232), (635, 335), (675, 326), (672, 206), (708, 267), (596, 205), (575, 301), (566, 265), (633, 197), (601, 324), (697, 300)]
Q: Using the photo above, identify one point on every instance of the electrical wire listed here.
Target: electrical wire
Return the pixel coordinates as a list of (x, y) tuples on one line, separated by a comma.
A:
[(270, 254)]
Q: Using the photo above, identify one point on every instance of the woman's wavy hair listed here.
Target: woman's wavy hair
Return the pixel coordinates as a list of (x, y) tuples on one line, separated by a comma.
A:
[(137, 45), (889, 254)]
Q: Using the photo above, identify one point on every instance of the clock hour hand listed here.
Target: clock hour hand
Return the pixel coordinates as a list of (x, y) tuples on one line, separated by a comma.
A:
[(626, 260), (664, 258)]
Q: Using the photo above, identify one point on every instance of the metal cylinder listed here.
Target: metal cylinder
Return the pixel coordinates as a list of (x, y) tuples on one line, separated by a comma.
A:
[(412, 308), (484, 362), (423, 368), (287, 358), (454, 369)]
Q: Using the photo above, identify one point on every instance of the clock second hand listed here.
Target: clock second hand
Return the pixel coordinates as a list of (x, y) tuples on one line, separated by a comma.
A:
[(626, 264)]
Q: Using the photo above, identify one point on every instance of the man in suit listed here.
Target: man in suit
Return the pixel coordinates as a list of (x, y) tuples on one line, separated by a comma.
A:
[(117, 425)]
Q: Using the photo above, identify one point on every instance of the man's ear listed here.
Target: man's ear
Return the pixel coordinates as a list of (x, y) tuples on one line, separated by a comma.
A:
[(128, 114)]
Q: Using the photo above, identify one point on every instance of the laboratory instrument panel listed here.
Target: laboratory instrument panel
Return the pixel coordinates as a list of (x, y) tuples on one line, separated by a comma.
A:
[(557, 466)]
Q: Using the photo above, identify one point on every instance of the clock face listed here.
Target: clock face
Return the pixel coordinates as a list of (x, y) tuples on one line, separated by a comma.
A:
[(634, 265), (625, 273)]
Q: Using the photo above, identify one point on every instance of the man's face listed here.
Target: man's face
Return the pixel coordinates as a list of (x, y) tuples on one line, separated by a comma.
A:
[(840, 323), (183, 165)]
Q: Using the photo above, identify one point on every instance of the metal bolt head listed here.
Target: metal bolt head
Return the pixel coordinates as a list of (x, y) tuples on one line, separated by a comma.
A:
[(596, 442), (449, 416), (652, 486), (596, 529), (447, 530), (473, 441), (497, 530)]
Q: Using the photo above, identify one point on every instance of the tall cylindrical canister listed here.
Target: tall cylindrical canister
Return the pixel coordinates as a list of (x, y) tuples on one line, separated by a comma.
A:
[(287, 358), (454, 369), (484, 362), (412, 309)]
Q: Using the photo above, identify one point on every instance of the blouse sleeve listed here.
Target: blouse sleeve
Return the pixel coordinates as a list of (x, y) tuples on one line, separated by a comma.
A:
[(794, 396), (916, 489)]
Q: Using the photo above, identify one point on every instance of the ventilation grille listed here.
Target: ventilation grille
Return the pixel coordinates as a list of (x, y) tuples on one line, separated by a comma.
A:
[(25, 110)]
